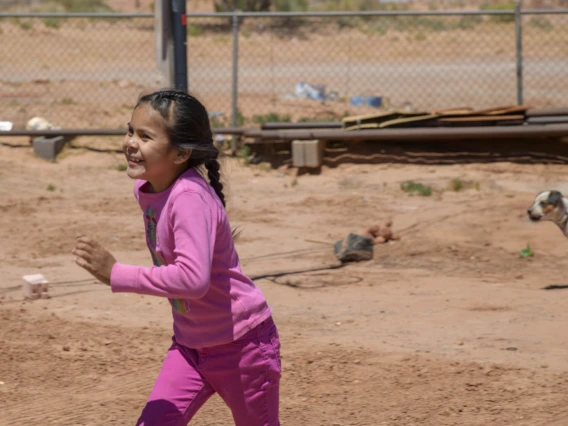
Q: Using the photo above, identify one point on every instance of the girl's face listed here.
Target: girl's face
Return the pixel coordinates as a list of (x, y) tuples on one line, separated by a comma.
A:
[(148, 151)]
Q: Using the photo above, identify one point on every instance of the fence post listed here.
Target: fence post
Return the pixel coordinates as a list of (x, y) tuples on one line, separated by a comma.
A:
[(519, 50), (180, 44), (235, 83)]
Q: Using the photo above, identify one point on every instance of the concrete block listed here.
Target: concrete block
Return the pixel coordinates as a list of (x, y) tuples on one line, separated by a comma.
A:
[(35, 287), (307, 153), (48, 147)]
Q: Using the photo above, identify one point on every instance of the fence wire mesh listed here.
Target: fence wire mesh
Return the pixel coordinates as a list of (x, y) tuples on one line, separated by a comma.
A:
[(87, 72), (323, 68), (75, 72), (545, 60)]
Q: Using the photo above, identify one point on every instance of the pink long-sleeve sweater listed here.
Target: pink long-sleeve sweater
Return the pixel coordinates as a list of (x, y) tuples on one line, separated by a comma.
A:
[(196, 265)]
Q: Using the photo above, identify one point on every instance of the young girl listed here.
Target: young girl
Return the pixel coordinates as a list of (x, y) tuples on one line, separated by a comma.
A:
[(224, 338)]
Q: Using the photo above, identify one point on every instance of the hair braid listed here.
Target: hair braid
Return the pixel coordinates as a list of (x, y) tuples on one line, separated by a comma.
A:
[(214, 176), (188, 127)]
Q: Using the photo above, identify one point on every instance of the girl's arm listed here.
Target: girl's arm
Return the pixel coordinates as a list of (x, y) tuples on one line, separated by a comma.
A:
[(189, 276)]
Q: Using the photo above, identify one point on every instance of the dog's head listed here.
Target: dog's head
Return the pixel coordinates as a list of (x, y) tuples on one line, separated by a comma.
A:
[(547, 205)]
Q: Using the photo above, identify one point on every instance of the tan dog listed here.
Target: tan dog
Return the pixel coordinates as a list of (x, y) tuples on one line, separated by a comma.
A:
[(552, 206)]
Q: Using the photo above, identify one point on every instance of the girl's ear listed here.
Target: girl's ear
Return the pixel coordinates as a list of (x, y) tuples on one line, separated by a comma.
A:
[(182, 156)]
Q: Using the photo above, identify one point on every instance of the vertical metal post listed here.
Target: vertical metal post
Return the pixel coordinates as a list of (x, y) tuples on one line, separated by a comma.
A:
[(519, 51), (234, 104), (235, 87), (179, 23)]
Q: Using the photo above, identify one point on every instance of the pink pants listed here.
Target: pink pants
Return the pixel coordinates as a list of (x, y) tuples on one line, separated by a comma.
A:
[(245, 374)]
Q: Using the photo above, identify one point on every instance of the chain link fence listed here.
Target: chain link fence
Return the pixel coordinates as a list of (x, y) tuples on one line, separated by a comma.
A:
[(88, 71), (78, 72), (320, 68)]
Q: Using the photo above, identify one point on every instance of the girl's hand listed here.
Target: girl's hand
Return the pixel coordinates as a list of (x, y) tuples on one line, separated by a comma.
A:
[(91, 256)]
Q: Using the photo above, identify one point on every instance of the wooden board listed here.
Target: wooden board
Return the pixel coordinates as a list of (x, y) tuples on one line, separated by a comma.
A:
[(353, 122), (465, 115)]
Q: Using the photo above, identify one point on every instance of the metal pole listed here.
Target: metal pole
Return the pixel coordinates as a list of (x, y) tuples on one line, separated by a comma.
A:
[(235, 91), (179, 23), (519, 50), (234, 103)]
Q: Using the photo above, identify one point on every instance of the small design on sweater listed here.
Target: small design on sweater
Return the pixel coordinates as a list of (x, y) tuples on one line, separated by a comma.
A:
[(180, 305)]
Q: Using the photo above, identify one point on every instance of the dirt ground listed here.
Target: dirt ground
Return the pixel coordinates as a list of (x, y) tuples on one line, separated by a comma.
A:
[(449, 326)]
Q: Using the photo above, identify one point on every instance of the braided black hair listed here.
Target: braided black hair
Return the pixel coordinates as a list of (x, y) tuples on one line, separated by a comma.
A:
[(187, 125)]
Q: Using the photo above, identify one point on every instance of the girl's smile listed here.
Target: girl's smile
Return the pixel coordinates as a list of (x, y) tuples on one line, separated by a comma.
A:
[(148, 150)]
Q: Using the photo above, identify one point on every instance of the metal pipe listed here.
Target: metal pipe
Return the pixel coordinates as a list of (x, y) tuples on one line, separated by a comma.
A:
[(544, 112), (234, 94), (103, 132), (78, 15), (291, 14), (179, 21), (545, 12), (235, 81), (548, 120), (353, 14), (305, 125), (519, 51), (421, 134)]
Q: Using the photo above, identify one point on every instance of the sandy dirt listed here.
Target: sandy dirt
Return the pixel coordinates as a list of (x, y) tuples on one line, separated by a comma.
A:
[(449, 326)]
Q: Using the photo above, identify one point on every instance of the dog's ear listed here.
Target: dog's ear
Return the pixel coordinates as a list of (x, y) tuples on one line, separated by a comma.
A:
[(554, 198)]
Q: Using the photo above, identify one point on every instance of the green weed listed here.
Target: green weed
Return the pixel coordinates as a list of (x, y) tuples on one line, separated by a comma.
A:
[(412, 188), (194, 30), (271, 117), (526, 252)]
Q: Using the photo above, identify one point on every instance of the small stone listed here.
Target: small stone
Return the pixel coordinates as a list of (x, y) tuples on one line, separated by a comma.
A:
[(66, 348)]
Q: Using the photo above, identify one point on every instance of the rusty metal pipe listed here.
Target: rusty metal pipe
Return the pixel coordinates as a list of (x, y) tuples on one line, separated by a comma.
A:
[(305, 125), (103, 132), (544, 112), (422, 134)]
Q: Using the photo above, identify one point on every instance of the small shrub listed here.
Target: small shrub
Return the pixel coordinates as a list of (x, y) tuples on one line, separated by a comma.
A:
[(271, 117), (412, 188), (502, 19), (217, 121), (541, 23), (121, 167), (457, 185), (67, 101), (468, 22), (26, 25), (194, 30), (244, 154), (51, 23), (50, 188), (240, 121), (526, 252), (84, 6), (291, 5)]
